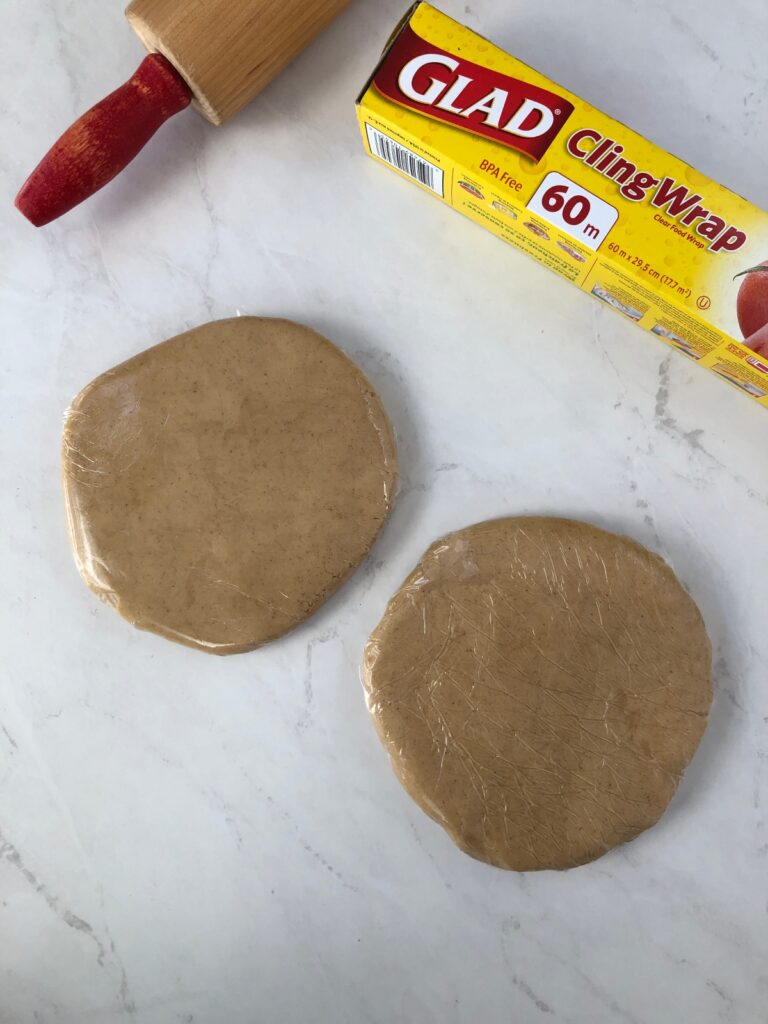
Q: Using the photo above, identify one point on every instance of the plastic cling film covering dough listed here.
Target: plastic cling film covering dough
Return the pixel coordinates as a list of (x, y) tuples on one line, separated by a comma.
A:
[(540, 686), (220, 486)]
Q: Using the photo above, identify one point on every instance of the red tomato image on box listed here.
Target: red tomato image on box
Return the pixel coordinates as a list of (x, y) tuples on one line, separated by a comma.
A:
[(752, 308)]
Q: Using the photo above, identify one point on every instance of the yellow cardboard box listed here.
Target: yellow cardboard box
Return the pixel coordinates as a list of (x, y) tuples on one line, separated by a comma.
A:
[(583, 194)]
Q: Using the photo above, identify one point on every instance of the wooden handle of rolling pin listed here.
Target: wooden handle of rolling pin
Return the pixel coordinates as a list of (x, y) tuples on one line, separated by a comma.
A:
[(229, 50), (103, 141)]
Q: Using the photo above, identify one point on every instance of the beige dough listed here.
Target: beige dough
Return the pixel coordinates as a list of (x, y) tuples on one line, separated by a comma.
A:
[(222, 485), (540, 686)]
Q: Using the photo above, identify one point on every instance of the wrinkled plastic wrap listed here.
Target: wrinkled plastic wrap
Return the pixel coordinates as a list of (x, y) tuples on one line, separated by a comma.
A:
[(540, 685), (222, 485)]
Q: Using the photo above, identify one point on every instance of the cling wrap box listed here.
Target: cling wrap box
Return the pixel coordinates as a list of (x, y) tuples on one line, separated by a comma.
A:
[(637, 228)]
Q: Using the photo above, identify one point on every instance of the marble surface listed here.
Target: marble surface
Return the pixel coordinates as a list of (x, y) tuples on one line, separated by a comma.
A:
[(188, 839)]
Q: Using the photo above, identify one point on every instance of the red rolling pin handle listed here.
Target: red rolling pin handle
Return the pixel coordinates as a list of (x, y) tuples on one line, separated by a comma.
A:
[(103, 141)]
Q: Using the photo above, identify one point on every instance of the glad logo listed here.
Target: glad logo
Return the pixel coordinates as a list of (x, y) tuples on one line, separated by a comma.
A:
[(421, 76)]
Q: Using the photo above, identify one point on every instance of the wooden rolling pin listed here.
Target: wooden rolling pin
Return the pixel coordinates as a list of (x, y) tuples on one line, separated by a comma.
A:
[(215, 54)]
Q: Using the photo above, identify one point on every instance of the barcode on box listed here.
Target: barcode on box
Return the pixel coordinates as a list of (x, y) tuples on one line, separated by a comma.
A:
[(405, 160)]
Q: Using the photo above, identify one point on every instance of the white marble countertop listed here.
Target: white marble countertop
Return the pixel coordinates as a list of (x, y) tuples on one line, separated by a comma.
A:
[(221, 841)]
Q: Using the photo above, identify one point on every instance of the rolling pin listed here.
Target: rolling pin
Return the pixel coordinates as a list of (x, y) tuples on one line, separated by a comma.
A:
[(215, 54)]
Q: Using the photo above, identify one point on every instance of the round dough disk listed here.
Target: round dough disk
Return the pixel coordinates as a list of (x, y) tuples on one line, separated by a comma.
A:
[(222, 485), (540, 685)]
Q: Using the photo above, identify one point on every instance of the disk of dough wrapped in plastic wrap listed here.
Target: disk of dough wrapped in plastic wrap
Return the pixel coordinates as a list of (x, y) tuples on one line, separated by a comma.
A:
[(223, 484), (540, 685)]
